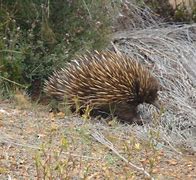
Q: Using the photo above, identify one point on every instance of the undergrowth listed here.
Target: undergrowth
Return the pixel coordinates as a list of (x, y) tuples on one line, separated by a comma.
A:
[(36, 37)]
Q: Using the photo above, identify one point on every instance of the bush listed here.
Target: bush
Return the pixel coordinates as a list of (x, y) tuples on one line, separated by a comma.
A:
[(37, 37)]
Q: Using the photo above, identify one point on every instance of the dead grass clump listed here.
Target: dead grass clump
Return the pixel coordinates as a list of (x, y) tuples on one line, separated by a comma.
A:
[(134, 15), (21, 99), (170, 52)]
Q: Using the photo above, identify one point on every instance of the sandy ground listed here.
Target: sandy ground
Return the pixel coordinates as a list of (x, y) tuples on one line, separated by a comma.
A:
[(23, 131)]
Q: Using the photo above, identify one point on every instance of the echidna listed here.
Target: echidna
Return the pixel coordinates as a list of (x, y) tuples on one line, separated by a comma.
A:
[(103, 80)]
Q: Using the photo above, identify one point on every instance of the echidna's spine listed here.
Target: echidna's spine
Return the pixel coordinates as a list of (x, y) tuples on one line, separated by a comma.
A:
[(102, 78)]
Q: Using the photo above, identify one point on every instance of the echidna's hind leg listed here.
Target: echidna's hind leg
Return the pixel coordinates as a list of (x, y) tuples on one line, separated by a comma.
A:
[(100, 112), (127, 114), (122, 111)]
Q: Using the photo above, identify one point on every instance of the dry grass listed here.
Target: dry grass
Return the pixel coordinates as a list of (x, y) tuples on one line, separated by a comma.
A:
[(132, 16), (170, 52)]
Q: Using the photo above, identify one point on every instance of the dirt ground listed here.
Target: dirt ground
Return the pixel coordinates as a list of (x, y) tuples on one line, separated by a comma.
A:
[(29, 136)]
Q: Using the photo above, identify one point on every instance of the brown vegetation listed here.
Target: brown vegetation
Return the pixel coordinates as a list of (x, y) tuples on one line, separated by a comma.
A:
[(187, 3)]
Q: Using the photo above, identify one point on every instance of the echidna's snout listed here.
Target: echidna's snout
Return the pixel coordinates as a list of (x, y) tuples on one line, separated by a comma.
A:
[(157, 104)]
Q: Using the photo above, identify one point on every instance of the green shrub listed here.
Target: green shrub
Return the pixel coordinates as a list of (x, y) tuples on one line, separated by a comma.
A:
[(38, 37)]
